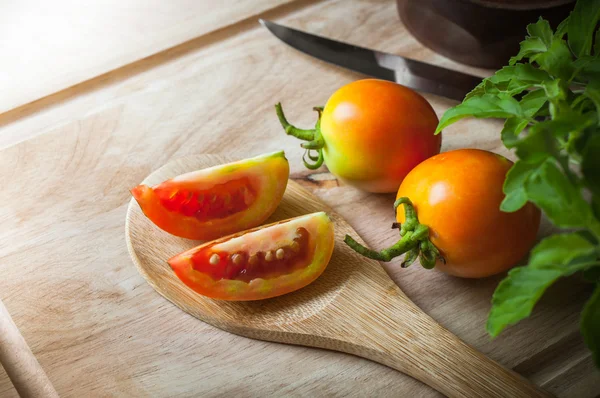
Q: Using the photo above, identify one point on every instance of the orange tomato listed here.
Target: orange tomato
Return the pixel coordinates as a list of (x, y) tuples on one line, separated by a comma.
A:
[(457, 194), (370, 134), (377, 131), (261, 263)]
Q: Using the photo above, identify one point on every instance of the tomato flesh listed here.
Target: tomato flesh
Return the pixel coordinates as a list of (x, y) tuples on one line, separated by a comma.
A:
[(248, 265), (261, 263), (218, 201)]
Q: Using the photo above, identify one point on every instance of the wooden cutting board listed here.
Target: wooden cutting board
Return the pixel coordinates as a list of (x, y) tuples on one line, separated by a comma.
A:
[(99, 329), (352, 307)]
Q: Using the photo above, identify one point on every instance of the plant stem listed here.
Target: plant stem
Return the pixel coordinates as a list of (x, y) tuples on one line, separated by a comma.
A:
[(414, 240), (305, 135)]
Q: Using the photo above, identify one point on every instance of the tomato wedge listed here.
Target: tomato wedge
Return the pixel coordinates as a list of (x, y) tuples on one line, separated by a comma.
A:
[(261, 263), (217, 201)]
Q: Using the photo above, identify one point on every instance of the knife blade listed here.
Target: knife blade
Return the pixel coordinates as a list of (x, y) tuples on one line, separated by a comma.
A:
[(408, 72)]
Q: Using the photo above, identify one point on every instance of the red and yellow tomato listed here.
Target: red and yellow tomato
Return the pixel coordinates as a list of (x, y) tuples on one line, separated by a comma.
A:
[(217, 201), (375, 132), (457, 194), (261, 263)]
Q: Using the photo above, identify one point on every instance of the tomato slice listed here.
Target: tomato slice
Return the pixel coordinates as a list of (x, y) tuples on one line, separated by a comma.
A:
[(261, 263), (217, 201)]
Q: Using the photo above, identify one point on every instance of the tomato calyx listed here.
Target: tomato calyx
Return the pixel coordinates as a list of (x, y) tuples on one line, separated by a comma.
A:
[(414, 241), (314, 138)]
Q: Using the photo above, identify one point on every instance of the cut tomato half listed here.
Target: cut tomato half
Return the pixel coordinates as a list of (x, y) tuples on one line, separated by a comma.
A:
[(261, 263), (217, 201)]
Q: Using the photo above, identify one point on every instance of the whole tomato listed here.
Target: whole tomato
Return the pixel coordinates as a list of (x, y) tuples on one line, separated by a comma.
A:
[(371, 133), (452, 212)]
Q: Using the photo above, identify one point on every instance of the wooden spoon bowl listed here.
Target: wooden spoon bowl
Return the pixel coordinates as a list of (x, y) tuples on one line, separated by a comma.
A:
[(353, 307)]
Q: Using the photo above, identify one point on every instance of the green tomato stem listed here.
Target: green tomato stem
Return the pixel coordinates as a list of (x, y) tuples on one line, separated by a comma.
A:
[(305, 135), (314, 138), (414, 240)]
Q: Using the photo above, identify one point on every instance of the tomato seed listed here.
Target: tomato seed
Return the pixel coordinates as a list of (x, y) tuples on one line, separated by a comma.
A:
[(214, 259), (279, 254), (253, 260), (269, 256), (237, 259), (295, 246)]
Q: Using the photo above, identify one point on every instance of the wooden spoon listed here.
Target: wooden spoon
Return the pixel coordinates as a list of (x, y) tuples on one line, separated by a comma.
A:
[(354, 307), (20, 364)]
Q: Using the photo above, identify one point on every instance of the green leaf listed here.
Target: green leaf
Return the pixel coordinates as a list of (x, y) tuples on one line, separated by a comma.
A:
[(557, 61), (522, 72), (582, 23), (568, 122), (542, 30), (586, 69), (532, 102), (555, 90), (590, 324), (537, 146), (529, 47), (590, 164), (597, 43), (485, 106), (514, 186), (593, 93), (517, 294), (561, 30), (558, 197), (510, 132), (479, 89), (511, 80), (596, 206)]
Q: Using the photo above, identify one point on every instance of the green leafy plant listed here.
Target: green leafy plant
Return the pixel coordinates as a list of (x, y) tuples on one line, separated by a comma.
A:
[(549, 96)]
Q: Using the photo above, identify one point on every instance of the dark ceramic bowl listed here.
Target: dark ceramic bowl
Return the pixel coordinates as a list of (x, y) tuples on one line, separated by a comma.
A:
[(483, 33)]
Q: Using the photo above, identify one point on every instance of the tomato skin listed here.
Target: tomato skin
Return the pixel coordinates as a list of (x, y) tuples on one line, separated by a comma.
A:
[(376, 132), (457, 194), (267, 175), (321, 246)]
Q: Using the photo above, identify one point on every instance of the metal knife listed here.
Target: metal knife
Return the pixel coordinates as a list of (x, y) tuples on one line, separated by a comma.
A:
[(408, 72)]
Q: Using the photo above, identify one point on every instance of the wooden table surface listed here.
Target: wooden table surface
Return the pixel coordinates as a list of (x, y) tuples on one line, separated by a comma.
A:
[(96, 97)]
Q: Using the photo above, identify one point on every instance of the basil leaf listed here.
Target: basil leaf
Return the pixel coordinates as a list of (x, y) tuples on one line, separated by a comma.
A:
[(590, 164), (511, 80), (552, 258), (582, 22), (561, 30), (537, 146), (512, 127), (587, 69), (514, 186), (597, 43), (529, 47), (486, 105), (542, 30), (532, 102), (558, 197), (590, 324), (557, 61), (592, 91), (479, 89), (522, 72)]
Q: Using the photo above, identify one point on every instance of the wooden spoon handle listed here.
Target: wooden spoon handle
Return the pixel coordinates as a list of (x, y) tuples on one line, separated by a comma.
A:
[(398, 334), (20, 364)]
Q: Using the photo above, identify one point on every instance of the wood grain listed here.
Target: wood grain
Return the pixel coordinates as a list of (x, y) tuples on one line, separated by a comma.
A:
[(26, 374), (89, 316), (352, 307), (49, 46)]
